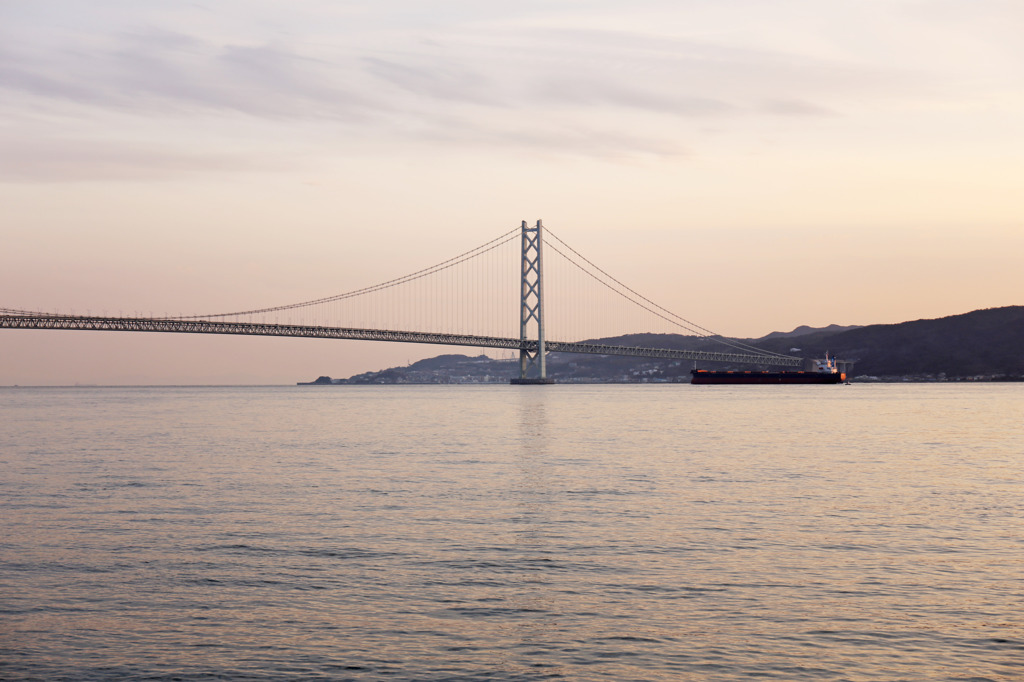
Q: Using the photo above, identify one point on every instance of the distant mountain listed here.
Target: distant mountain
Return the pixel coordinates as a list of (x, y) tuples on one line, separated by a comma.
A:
[(983, 343), (442, 369), (803, 330), (987, 344)]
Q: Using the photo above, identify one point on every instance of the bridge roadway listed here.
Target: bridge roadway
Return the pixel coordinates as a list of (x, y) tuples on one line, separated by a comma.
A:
[(186, 326)]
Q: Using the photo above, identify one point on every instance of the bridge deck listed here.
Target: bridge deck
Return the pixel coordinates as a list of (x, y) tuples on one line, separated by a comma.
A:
[(179, 326)]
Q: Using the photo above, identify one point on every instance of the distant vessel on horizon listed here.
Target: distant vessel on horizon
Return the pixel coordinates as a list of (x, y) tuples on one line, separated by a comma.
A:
[(825, 372)]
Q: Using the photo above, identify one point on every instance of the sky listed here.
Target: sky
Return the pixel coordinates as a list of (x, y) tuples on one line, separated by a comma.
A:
[(752, 165)]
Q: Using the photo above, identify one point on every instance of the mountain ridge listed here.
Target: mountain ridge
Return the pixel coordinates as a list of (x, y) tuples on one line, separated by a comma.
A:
[(803, 330), (986, 344)]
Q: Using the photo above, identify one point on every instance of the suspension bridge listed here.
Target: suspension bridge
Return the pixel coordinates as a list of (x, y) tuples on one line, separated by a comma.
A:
[(499, 295)]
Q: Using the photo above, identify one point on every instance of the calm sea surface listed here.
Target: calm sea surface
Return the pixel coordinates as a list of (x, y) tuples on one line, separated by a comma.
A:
[(866, 532)]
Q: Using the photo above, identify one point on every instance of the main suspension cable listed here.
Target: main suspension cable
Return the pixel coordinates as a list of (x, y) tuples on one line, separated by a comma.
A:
[(451, 262), (677, 321)]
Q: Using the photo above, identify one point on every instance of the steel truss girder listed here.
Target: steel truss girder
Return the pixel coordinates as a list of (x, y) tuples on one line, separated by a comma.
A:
[(532, 347), (672, 354)]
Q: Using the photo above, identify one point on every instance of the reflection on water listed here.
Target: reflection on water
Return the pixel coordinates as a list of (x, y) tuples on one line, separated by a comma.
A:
[(573, 532)]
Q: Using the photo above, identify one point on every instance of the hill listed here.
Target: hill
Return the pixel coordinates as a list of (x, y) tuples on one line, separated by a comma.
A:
[(803, 330), (984, 343)]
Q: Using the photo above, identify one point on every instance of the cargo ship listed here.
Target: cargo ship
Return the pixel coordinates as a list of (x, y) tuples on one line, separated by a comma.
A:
[(824, 372)]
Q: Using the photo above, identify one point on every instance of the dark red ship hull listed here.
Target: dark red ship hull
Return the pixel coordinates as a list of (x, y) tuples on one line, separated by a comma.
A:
[(702, 376)]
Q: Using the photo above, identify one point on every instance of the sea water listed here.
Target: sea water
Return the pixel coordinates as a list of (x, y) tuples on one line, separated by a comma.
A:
[(631, 532)]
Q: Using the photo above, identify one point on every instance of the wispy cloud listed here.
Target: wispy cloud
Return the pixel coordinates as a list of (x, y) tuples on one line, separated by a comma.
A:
[(790, 107), (485, 84), (159, 73), (57, 159), (150, 70)]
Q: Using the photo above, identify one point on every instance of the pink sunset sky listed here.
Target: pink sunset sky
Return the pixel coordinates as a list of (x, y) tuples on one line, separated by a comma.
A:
[(753, 165)]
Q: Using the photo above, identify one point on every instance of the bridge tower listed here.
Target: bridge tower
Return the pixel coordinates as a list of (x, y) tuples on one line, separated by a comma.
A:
[(532, 363)]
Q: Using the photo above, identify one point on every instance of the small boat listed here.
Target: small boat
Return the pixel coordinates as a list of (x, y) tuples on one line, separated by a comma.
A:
[(825, 372)]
